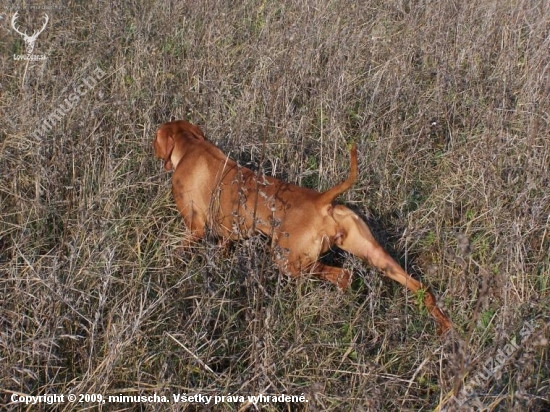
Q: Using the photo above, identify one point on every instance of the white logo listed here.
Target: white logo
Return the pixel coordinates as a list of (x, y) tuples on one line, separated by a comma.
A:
[(29, 40)]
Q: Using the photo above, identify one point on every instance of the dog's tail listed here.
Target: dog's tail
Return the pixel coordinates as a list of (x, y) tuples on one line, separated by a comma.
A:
[(331, 194)]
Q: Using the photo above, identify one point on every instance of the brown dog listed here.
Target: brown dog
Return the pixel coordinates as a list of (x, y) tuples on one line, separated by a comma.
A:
[(213, 191)]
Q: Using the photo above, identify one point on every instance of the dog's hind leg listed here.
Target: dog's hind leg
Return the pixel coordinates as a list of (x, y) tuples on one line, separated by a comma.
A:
[(354, 236)]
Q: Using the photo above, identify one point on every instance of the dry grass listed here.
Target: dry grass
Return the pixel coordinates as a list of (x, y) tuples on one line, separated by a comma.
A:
[(449, 103)]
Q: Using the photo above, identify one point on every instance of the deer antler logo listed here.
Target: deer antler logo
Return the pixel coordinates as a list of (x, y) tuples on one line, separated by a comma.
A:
[(29, 40)]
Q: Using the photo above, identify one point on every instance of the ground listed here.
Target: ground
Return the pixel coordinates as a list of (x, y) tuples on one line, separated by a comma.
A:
[(449, 104)]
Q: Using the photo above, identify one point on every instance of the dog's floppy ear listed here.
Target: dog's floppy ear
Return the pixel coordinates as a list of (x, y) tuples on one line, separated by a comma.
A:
[(163, 146), (169, 147)]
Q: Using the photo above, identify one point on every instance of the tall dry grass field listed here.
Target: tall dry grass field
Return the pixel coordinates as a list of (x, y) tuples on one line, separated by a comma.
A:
[(449, 103)]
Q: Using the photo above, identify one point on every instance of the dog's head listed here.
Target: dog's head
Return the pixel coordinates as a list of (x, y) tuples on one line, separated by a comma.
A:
[(169, 134)]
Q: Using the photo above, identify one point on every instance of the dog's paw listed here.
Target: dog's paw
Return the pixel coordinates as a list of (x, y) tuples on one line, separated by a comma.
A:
[(344, 279), (444, 326)]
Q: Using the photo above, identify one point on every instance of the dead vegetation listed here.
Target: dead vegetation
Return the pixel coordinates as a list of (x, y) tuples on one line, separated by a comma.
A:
[(449, 103)]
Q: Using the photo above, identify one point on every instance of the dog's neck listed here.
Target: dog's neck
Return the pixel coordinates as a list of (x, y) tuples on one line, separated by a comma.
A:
[(176, 156)]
